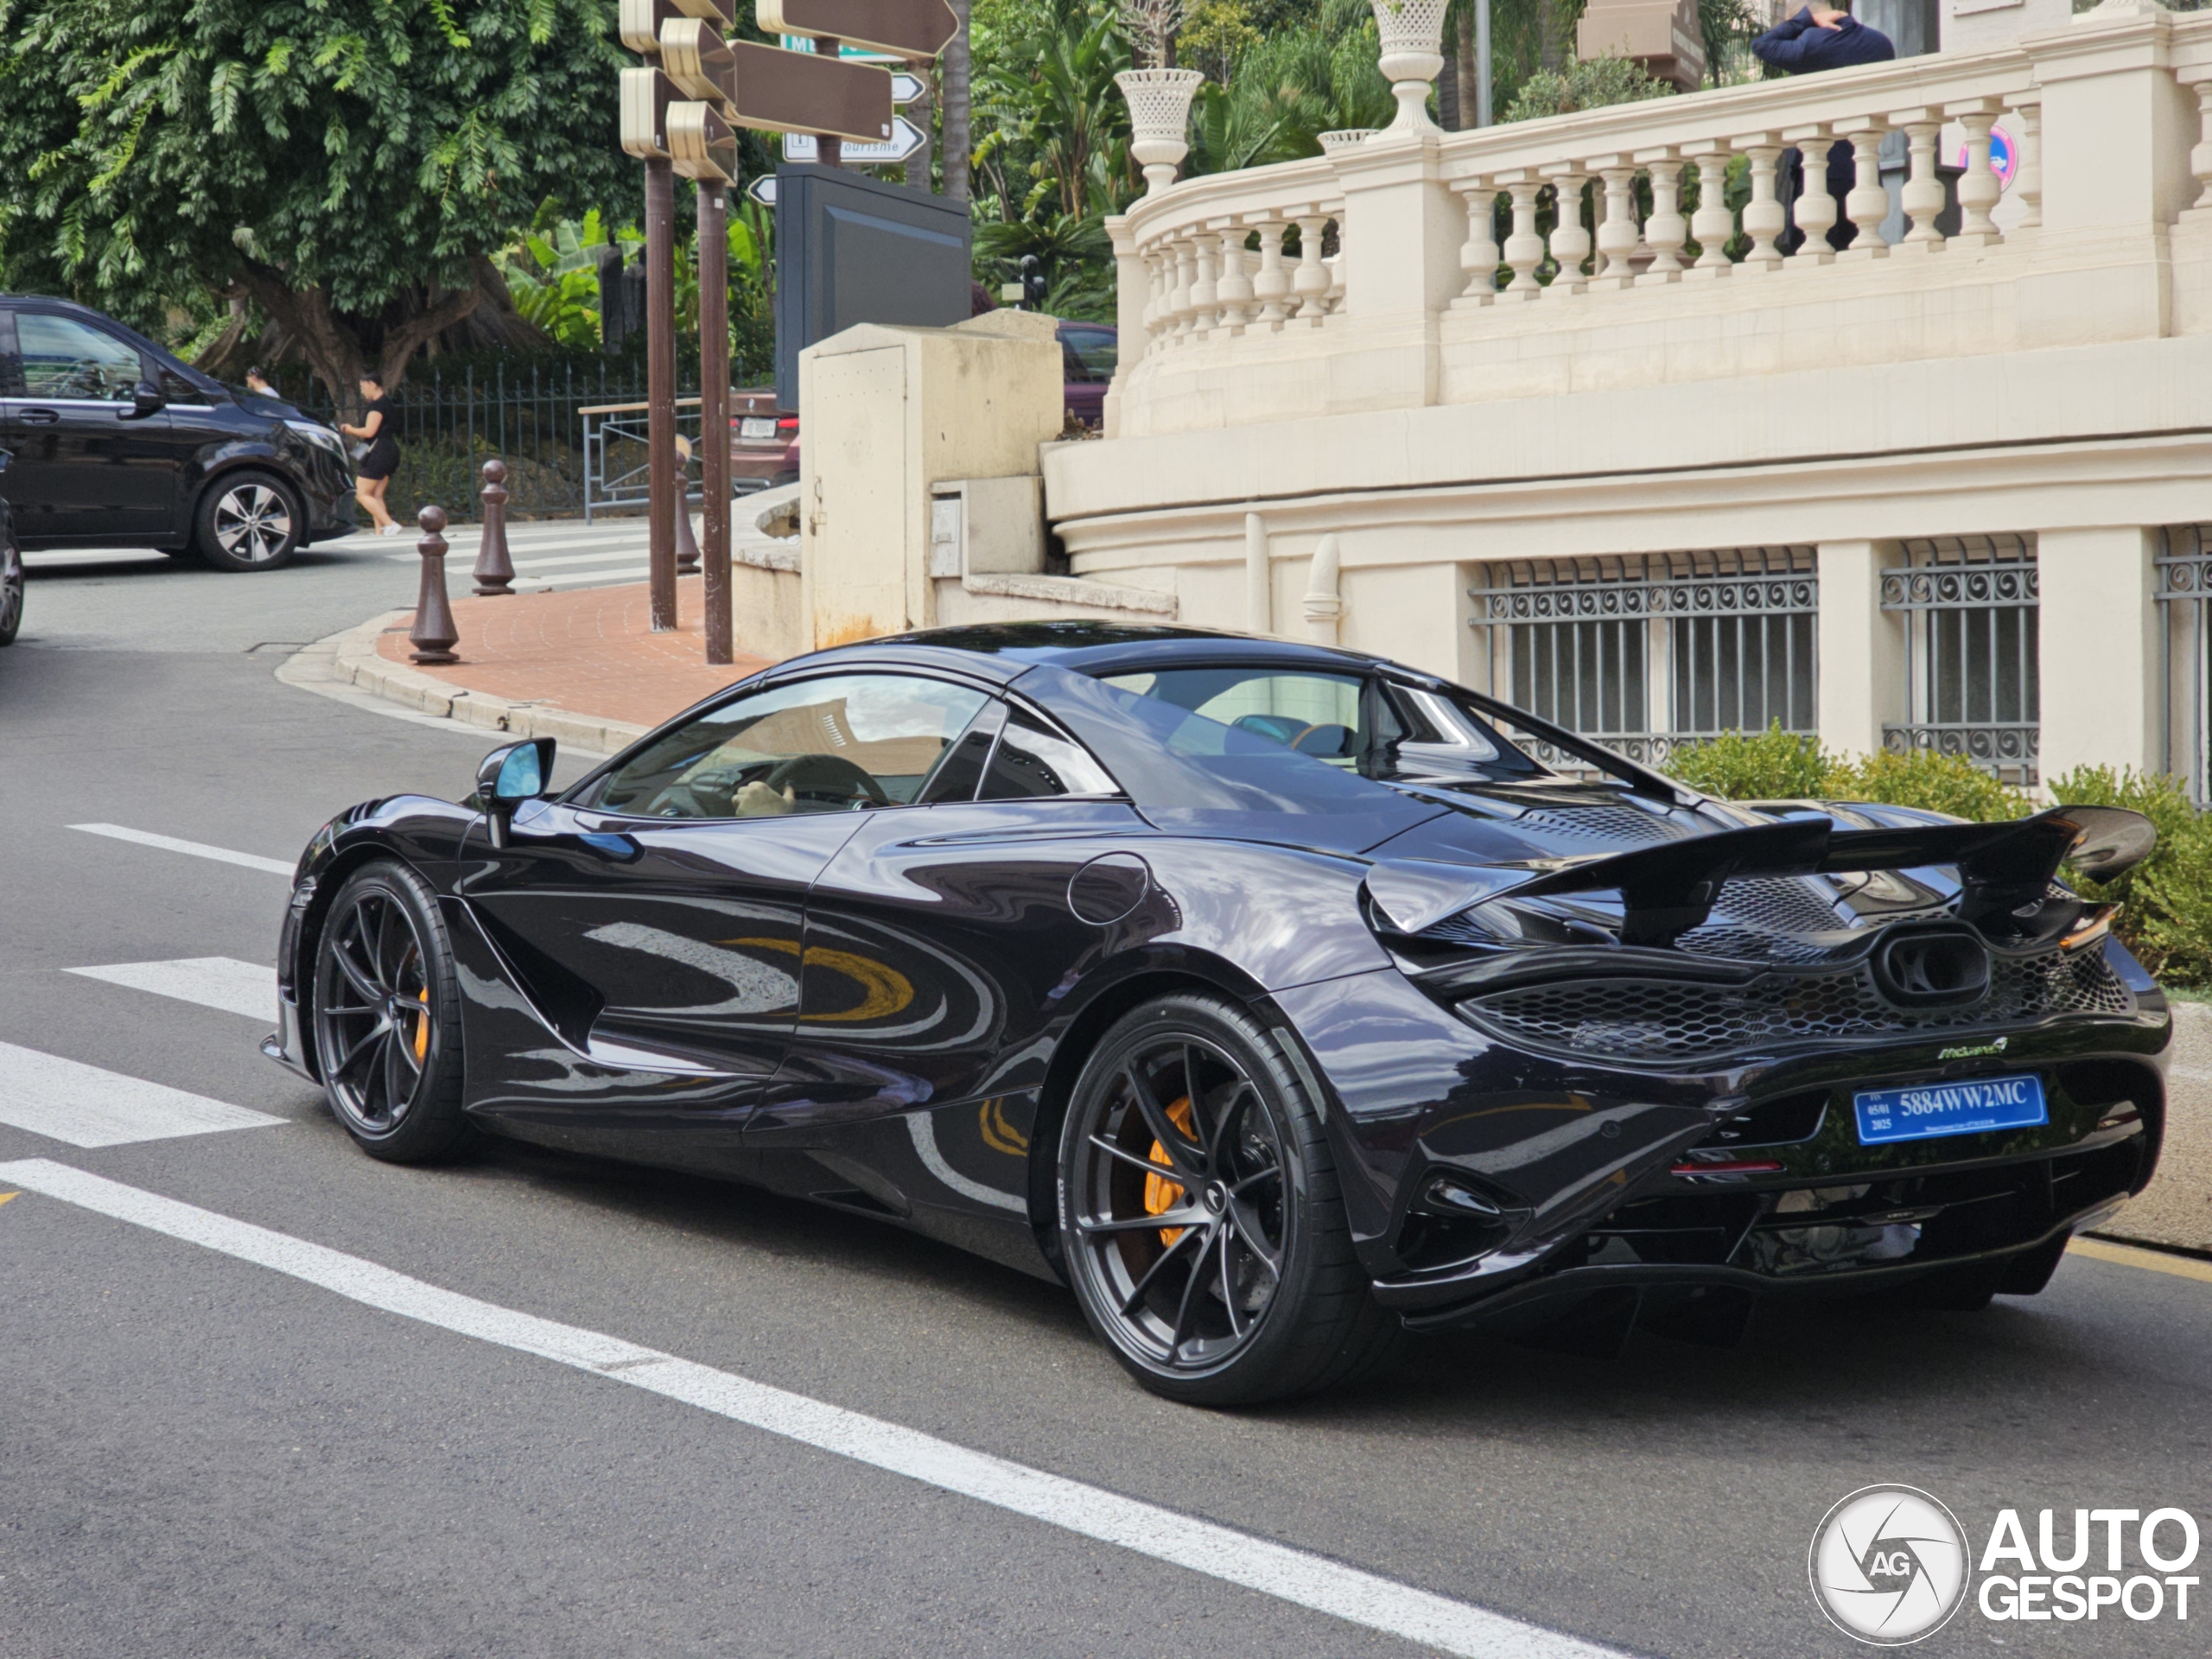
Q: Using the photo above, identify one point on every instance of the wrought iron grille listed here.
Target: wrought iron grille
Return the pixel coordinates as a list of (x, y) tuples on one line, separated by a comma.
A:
[(1646, 653), (1969, 606), (2184, 590)]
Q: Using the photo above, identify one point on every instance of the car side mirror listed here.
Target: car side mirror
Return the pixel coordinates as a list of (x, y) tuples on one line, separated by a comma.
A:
[(508, 777), (146, 399)]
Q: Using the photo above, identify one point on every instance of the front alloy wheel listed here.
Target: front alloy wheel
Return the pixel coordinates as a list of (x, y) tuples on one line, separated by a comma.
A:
[(1199, 1214), (386, 1017), (11, 593), (250, 523)]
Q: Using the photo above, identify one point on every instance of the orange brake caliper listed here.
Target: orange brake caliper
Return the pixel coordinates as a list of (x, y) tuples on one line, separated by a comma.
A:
[(1160, 1194), (422, 1031)]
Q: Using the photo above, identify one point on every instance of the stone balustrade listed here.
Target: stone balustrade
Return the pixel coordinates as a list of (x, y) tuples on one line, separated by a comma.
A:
[(1414, 267)]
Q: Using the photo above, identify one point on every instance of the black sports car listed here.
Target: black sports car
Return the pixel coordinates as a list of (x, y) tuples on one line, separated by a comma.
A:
[(1274, 997)]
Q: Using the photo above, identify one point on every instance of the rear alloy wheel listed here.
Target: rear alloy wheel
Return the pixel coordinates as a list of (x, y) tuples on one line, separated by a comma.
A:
[(11, 593), (249, 521), (1199, 1213), (387, 1017)]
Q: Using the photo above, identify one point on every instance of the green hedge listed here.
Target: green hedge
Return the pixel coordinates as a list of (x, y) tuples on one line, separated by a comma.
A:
[(2166, 901)]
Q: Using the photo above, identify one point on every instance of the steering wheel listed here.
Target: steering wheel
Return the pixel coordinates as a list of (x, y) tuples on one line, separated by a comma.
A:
[(816, 775)]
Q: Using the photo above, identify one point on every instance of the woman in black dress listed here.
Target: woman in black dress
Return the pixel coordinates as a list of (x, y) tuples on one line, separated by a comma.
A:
[(382, 458)]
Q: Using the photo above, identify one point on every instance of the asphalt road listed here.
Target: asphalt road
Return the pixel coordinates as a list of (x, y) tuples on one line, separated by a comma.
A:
[(204, 1456)]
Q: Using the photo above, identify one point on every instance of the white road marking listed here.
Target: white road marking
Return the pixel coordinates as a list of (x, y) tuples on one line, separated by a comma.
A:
[(87, 1106), (1272, 1569), (613, 555), (197, 848), (225, 982)]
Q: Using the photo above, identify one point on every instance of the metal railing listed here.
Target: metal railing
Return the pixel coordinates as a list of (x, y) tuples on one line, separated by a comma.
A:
[(1646, 653), (615, 470), (1969, 607), (2183, 589)]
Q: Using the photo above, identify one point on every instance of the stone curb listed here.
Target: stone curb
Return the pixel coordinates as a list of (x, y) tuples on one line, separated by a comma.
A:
[(355, 660)]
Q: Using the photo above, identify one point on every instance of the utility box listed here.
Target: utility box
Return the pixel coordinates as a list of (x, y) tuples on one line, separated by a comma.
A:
[(986, 526), (921, 456), (851, 250)]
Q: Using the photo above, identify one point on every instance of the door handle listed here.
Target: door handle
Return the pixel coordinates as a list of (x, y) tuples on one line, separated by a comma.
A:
[(38, 416)]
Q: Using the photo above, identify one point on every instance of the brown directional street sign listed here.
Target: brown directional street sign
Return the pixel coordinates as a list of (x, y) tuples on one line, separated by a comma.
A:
[(701, 143), (646, 95), (798, 92), (696, 59), (906, 29)]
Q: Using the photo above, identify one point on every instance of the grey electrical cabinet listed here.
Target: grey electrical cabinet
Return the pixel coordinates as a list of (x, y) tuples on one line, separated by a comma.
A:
[(850, 249)]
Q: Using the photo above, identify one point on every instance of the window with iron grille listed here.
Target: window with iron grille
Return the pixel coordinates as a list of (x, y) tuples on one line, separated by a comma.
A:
[(2184, 590), (1969, 605), (1645, 653)]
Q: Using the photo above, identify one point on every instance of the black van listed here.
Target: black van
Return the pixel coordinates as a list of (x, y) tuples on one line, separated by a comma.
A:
[(115, 442)]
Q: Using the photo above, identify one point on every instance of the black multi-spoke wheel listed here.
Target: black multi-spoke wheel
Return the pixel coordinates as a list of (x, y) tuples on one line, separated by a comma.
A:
[(249, 521), (386, 1016), (11, 590), (1199, 1216)]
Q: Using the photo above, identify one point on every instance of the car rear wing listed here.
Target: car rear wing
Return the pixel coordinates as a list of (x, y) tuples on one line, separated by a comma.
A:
[(1667, 889)]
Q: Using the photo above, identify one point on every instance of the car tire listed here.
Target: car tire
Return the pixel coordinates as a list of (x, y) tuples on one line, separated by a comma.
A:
[(1196, 1087), (249, 521), (387, 1017), (11, 593)]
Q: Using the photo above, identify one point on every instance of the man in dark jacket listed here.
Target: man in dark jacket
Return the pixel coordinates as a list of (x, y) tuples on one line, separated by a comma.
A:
[(1817, 38)]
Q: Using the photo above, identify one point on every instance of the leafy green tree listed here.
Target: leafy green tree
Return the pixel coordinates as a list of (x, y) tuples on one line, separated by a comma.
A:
[(351, 165)]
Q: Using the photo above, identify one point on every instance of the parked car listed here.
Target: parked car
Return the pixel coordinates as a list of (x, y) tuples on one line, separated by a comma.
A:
[(1269, 995), (11, 566), (764, 442), (119, 443)]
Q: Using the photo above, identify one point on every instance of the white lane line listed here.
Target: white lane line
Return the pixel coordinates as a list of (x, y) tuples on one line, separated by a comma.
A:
[(1292, 1575), (86, 1106), (225, 982), (197, 848), (609, 557)]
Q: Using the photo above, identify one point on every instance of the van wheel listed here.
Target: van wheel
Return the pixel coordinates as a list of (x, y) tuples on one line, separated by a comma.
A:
[(249, 521)]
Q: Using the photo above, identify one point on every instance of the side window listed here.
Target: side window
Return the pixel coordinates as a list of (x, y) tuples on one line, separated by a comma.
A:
[(844, 743), (1033, 762), (962, 769), (72, 361), (11, 372)]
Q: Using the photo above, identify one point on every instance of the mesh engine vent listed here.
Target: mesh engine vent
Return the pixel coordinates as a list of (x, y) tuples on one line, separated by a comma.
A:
[(1601, 823), (1649, 1019)]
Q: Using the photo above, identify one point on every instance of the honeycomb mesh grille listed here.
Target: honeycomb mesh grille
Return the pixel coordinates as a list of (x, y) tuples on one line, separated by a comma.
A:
[(1601, 823), (1648, 1019)]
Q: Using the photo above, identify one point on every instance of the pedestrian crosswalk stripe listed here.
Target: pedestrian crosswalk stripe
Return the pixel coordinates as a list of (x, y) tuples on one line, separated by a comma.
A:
[(197, 848), (1288, 1574), (225, 982), (87, 1106)]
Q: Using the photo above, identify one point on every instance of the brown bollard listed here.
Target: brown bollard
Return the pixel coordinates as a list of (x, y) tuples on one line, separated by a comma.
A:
[(434, 635), (495, 571)]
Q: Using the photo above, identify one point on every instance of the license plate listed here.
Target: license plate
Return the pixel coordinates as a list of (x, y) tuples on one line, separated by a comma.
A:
[(1928, 1110), (751, 427)]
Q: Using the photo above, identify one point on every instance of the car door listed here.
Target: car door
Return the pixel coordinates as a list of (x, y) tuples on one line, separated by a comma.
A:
[(937, 945), (656, 916), (86, 470)]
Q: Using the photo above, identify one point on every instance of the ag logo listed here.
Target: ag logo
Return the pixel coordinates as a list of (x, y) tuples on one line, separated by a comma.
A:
[(1889, 1565)]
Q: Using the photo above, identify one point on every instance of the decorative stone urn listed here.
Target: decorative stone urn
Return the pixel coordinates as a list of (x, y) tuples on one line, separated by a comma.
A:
[(1343, 138), (1411, 32), (1159, 114)]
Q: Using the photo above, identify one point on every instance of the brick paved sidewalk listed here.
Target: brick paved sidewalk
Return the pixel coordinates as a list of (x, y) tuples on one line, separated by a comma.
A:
[(589, 651)]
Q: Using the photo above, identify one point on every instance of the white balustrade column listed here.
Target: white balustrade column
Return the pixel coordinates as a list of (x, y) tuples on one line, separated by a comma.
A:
[(1979, 189), (1524, 249), (1815, 208), (1712, 224), (1334, 299), (1478, 254), (1923, 196), (1570, 238), (1868, 204), (2027, 176), (1763, 219), (1186, 275), (1235, 288), (1618, 230), (1206, 293), (1665, 230), (1271, 288), (1311, 281), (2199, 80)]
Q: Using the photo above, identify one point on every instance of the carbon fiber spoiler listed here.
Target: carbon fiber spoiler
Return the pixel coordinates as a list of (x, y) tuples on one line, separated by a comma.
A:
[(1667, 889)]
